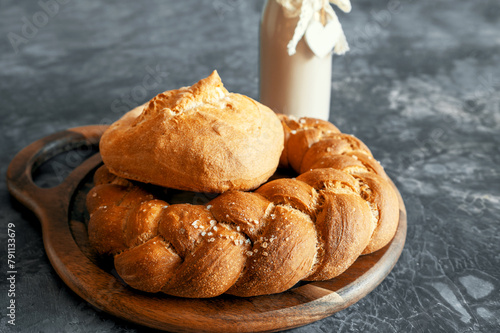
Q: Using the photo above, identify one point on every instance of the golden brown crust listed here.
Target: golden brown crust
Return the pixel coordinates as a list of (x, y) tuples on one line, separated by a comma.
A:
[(291, 192), (381, 196), (312, 227), (344, 226), (199, 138), (148, 266), (282, 256)]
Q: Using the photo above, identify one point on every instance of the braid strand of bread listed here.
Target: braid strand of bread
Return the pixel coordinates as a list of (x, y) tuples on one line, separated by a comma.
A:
[(312, 227)]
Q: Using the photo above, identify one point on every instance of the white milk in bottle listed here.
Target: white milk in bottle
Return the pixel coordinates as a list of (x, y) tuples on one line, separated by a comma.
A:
[(297, 39)]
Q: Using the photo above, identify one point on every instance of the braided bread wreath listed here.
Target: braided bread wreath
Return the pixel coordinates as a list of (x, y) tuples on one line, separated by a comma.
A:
[(310, 228)]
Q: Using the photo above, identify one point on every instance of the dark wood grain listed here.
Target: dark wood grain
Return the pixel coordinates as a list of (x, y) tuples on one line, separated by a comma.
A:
[(61, 211)]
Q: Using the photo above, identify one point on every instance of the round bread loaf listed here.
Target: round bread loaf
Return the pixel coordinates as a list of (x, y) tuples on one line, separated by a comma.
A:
[(200, 138), (312, 227)]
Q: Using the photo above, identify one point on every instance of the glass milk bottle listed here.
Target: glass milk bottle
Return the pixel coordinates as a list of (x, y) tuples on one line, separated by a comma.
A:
[(299, 84)]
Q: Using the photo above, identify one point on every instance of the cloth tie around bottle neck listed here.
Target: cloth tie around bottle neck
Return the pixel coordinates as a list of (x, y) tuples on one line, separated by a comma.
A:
[(310, 11)]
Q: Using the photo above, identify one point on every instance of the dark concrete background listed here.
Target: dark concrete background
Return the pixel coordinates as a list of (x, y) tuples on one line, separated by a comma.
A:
[(420, 86)]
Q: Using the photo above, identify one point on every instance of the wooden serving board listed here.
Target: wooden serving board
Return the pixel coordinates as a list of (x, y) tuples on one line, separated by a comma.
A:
[(61, 211)]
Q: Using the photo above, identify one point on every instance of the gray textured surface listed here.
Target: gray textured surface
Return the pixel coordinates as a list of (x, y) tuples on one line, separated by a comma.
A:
[(420, 87)]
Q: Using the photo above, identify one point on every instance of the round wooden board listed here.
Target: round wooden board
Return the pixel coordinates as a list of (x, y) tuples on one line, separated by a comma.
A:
[(62, 213)]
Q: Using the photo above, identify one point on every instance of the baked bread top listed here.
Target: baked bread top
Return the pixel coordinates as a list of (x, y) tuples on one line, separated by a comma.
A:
[(200, 138)]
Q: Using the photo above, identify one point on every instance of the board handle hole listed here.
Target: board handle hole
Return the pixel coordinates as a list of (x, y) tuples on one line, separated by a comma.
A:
[(53, 166)]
